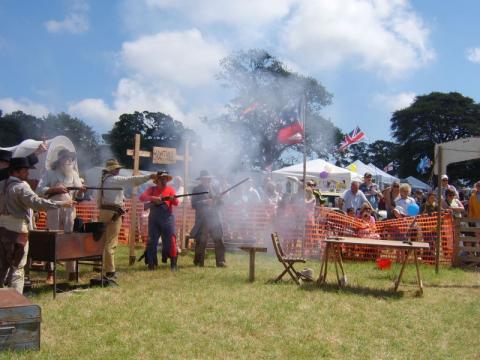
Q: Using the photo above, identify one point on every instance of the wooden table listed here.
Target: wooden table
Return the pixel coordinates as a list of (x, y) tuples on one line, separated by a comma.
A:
[(252, 249), (333, 247)]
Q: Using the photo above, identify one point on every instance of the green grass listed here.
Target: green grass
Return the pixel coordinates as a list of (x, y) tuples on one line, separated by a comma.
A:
[(207, 313)]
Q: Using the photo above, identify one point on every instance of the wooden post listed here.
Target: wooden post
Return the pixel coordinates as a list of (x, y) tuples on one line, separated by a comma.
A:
[(186, 157), (439, 209), (133, 210)]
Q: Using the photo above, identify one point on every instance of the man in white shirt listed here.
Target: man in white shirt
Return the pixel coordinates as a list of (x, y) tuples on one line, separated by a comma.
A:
[(17, 200), (353, 198), (111, 203)]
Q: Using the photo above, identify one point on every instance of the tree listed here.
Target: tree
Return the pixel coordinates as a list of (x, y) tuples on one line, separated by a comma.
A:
[(19, 126), (432, 119), (156, 129), (86, 141), (263, 88)]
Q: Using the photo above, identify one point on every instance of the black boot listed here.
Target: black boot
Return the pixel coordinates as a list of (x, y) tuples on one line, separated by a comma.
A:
[(173, 264)]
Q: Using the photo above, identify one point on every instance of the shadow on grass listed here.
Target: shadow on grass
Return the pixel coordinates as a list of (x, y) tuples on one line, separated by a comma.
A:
[(355, 290)]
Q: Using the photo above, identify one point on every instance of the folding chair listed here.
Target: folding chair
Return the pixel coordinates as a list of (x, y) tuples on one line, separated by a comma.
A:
[(286, 261)]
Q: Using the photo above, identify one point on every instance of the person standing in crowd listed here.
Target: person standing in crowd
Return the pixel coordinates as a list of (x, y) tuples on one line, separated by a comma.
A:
[(402, 203), (353, 198), (5, 157), (430, 205), (446, 186), (271, 195), (419, 198), (53, 185), (250, 195), (161, 221), (319, 199), (452, 204), (17, 200), (368, 228), (474, 202), (111, 204), (370, 189), (177, 185), (390, 194), (208, 221)]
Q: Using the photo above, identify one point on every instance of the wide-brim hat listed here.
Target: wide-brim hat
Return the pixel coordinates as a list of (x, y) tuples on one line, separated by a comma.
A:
[(307, 274), (164, 174), (5, 155), (20, 163), (204, 174), (113, 164)]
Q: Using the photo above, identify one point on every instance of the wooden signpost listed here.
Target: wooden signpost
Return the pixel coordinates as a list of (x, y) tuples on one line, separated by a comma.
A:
[(159, 155)]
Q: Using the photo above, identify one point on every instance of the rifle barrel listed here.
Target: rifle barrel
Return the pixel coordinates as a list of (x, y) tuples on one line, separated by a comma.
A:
[(94, 188), (234, 186)]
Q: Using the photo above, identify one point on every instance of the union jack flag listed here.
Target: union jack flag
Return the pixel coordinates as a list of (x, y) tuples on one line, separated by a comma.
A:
[(351, 138)]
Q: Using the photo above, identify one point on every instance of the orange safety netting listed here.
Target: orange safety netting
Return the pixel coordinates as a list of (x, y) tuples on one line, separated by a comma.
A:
[(302, 231)]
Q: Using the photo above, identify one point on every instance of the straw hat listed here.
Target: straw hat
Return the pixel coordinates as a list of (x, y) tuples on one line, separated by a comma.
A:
[(164, 174), (112, 164), (307, 274)]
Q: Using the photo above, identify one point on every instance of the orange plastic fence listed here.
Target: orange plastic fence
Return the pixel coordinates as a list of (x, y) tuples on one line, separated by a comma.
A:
[(302, 231)]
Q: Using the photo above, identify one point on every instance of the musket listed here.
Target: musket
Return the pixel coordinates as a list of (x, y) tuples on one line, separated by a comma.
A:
[(70, 188), (234, 186), (183, 195)]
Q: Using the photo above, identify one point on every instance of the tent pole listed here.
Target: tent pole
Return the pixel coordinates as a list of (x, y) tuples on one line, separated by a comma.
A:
[(439, 208), (303, 114)]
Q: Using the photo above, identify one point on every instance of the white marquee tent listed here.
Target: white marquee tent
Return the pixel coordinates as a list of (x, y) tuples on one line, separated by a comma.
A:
[(417, 184), (381, 177), (328, 176)]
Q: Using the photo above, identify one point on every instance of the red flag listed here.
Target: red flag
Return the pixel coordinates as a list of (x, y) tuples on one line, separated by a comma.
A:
[(291, 131)]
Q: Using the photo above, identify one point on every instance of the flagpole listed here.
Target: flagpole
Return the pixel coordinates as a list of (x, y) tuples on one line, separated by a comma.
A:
[(302, 114)]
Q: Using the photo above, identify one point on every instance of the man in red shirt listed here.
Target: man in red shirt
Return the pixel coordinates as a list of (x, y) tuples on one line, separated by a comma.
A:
[(161, 221)]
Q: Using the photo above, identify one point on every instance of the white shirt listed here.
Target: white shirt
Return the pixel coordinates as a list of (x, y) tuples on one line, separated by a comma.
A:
[(117, 197), (354, 201), (53, 178), (401, 205)]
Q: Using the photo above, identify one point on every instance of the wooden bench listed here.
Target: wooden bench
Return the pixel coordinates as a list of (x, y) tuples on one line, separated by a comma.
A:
[(333, 248)]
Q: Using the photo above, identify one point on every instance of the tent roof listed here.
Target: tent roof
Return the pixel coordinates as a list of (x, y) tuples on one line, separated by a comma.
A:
[(417, 184), (315, 167), (359, 167), (379, 172)]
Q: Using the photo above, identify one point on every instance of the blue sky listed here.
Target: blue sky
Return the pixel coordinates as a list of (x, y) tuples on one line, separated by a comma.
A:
[(98, 59)]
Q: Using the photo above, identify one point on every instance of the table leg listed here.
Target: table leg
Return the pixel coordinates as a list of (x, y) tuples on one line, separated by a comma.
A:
[(340, 263), (419, 279), (335, 261), (55, 278), (76, 271), (402, 269), (251, 275), (323, 269)]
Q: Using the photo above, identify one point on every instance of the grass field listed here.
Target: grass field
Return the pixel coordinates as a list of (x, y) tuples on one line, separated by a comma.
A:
[(207, 313)]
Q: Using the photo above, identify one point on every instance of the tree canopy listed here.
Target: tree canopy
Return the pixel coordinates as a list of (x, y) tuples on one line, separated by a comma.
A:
[(432, 119), (18, 126), (263, 87)]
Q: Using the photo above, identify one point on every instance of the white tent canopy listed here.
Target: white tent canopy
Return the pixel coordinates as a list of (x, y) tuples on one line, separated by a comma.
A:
[(385, 177), (456, 151), (328, 176), (380, 176), (417, 184)]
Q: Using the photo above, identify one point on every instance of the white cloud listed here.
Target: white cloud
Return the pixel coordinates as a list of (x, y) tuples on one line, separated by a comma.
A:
[(394, 102), (184, 58), (76, 22), (161, 69), (473, 55), (8, 105), (230, 12), (385, 36)]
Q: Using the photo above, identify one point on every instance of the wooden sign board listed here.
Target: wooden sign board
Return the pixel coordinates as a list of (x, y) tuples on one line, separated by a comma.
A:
[(162, 155)]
